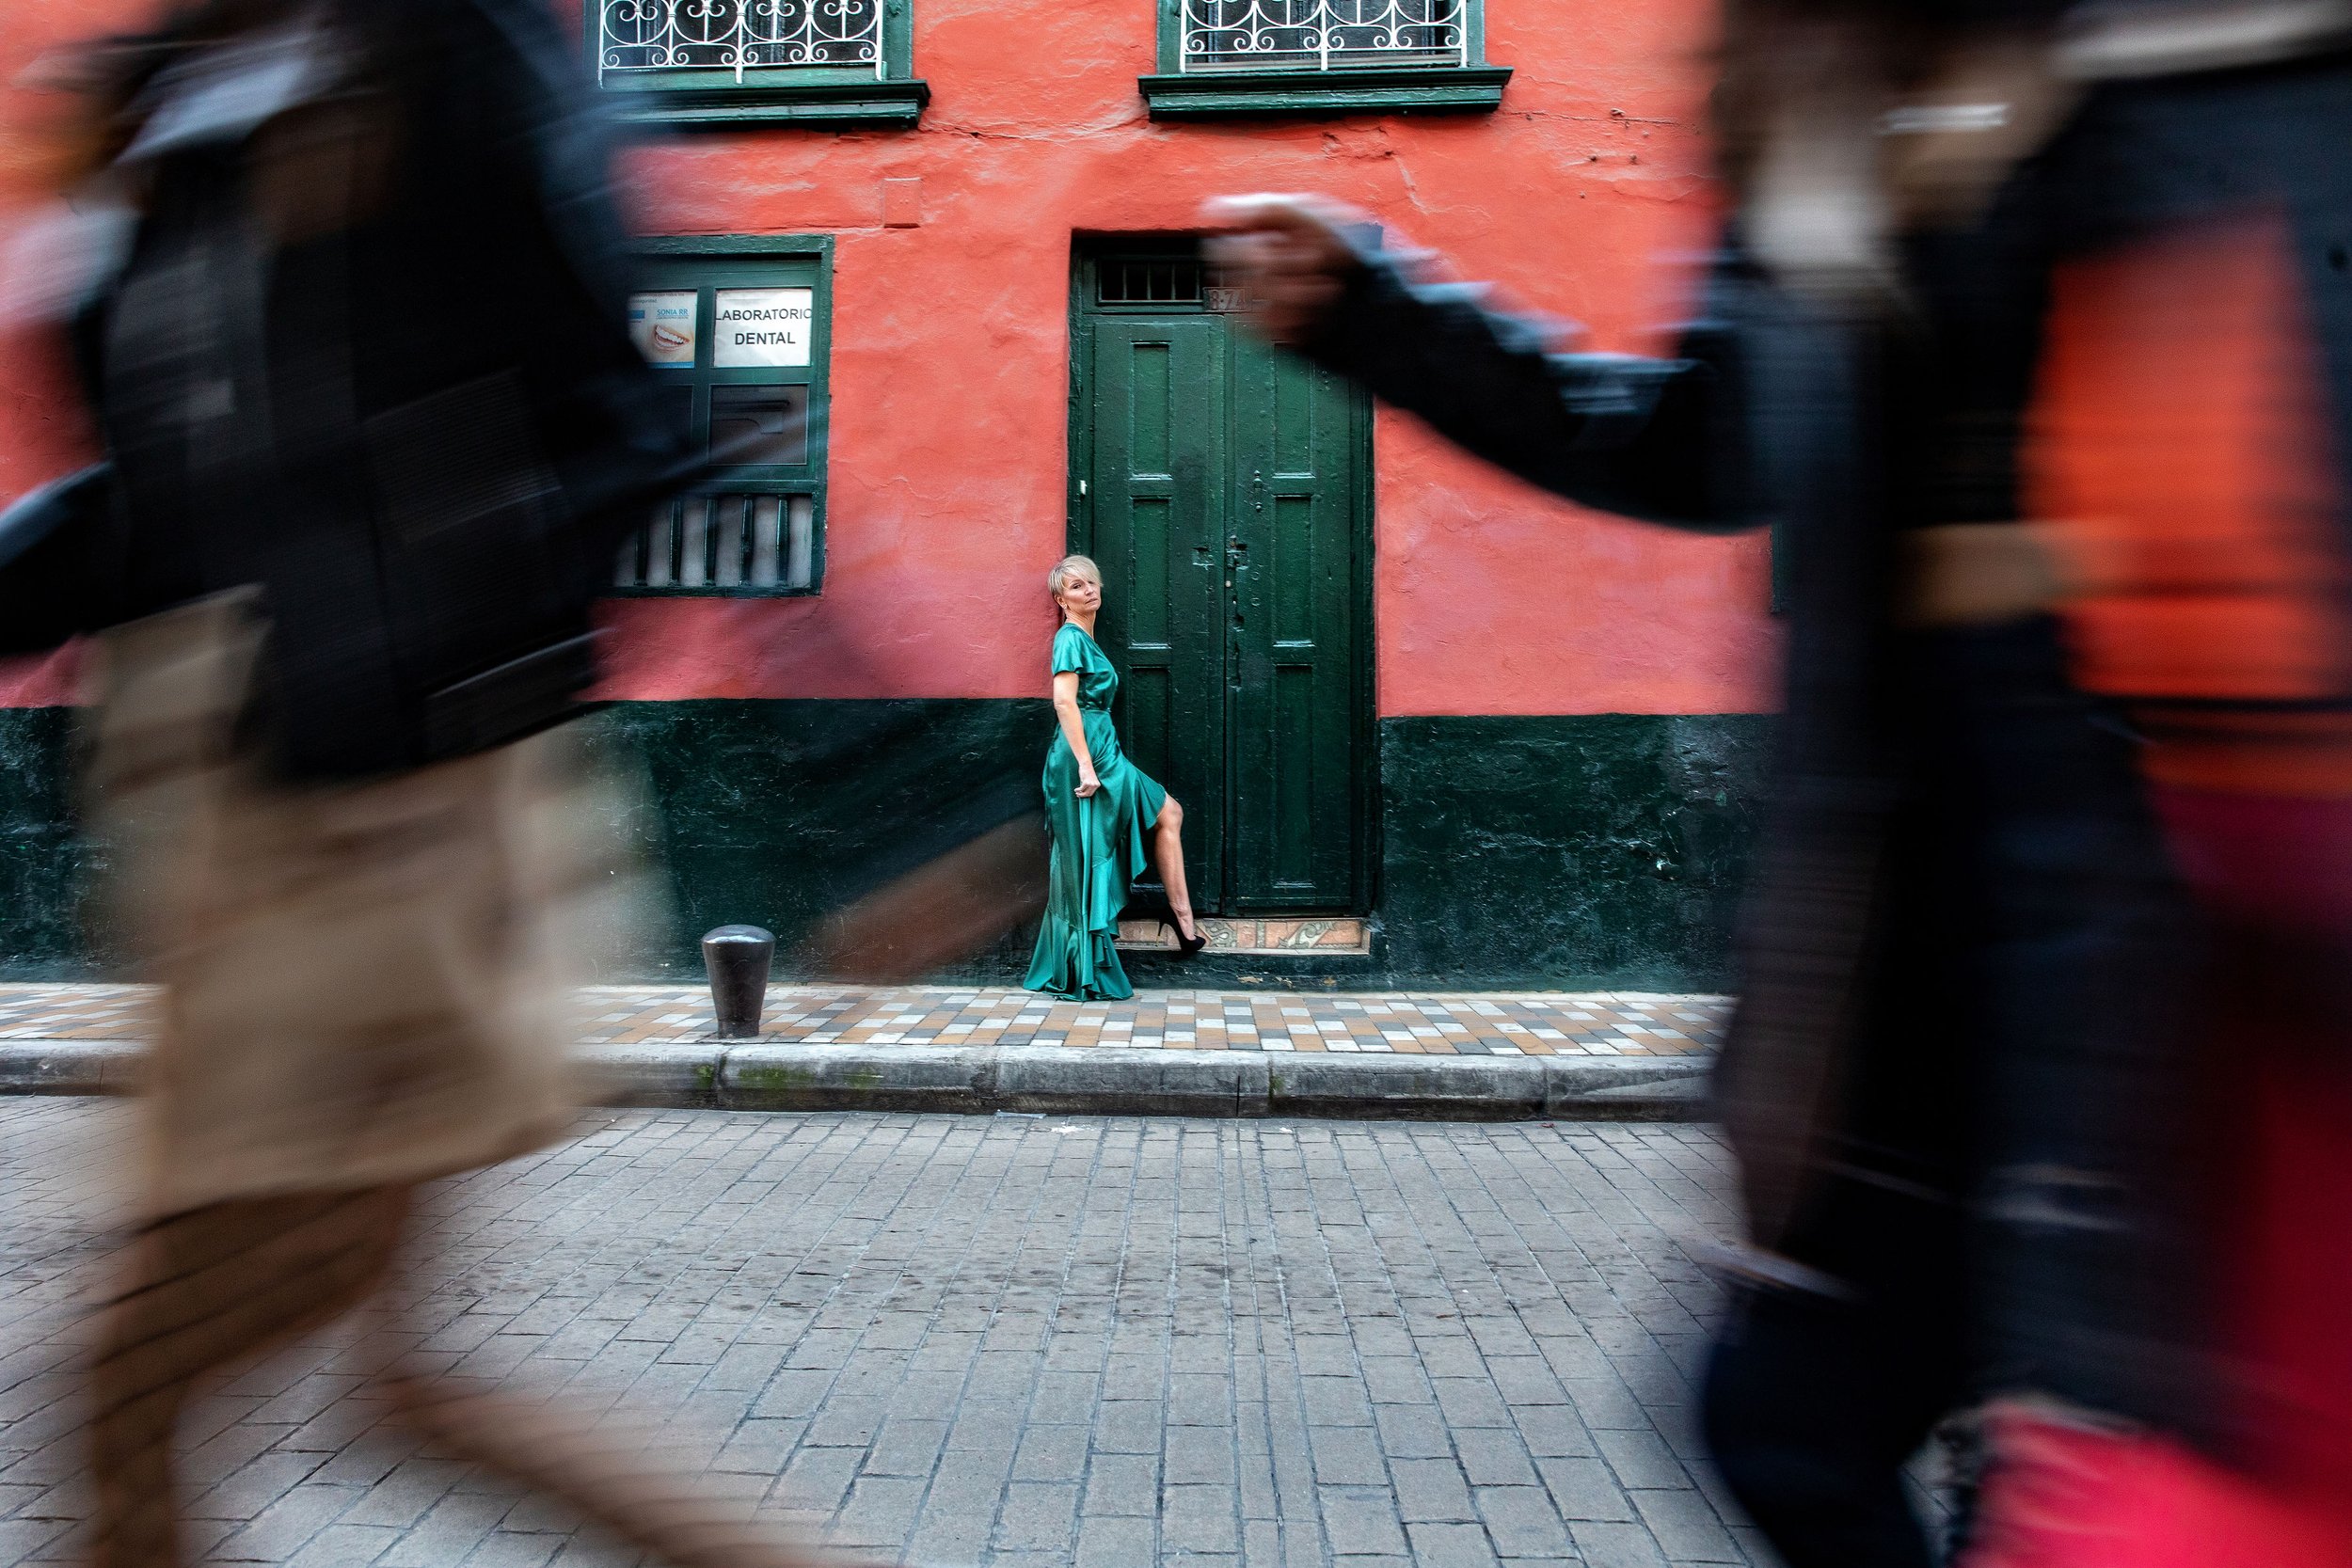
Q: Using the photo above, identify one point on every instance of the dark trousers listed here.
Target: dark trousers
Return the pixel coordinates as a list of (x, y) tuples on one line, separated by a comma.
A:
[(1813, 1403)]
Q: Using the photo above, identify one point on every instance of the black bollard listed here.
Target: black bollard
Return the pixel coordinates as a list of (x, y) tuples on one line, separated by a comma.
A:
[(736, 957)]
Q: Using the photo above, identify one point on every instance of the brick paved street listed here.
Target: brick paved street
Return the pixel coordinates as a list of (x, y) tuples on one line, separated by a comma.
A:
[(957, 1340)]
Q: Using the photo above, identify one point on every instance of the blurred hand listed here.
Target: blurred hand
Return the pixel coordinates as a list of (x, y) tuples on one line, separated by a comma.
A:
[(1286, 255), (1983, 574), (1087, 784)]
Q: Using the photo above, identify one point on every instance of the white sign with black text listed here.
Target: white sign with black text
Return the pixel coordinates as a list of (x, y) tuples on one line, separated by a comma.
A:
[(763, 327)]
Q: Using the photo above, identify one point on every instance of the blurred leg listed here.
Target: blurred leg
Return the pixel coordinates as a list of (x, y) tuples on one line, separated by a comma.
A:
[(1794, 1418), (615, 1475), (232, 1281), (213, 1286), (1814, 1405)]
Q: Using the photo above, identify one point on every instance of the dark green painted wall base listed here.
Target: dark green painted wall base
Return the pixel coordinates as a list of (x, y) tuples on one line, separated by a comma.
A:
[(1601, 851), (46, 866), (775, 813)]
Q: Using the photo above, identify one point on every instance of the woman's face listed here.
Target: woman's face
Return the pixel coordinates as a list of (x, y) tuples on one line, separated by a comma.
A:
[(1080, 595)]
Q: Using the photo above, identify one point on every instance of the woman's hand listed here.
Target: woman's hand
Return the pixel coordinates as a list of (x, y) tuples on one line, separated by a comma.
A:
[(1074, 731)]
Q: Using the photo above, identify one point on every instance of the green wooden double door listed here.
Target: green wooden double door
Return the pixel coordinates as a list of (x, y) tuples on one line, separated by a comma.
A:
[(1224, 489)]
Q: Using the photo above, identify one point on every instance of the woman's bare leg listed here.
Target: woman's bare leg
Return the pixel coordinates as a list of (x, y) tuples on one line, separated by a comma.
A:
[(1168, 847)]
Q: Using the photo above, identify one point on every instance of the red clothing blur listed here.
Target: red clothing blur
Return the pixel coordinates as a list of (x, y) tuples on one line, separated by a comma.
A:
[(2178, 445)]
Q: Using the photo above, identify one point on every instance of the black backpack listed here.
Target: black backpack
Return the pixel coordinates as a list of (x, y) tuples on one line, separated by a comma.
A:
[(367, 352)]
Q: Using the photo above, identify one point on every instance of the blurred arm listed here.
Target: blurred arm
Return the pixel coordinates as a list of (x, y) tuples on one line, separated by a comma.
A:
[(1656, 438), (1659, 438)]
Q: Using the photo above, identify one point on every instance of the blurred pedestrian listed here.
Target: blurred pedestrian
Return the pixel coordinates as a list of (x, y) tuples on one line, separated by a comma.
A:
[(352, 329), (1952, 1067), (2188, 432)]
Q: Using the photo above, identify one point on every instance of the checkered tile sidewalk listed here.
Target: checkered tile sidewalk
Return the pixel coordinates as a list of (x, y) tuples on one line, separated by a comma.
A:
[(1527, 1024), (74, 1012)]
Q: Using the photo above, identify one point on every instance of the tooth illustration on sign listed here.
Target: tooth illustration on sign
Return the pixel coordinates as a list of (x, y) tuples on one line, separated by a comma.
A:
[(662, 326)]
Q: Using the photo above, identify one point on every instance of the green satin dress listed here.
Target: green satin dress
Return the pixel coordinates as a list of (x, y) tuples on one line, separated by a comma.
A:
[(1099, 843)]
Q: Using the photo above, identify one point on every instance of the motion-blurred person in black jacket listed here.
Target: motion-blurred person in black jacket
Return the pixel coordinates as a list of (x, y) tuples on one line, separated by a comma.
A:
[(1959, 1084), (353, 332)]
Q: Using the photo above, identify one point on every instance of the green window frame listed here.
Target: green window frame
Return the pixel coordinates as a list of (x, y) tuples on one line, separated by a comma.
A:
[(719, 63), (741, 328), (1221, 58)]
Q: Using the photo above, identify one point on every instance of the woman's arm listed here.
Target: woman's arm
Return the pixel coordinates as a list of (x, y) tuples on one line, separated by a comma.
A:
[(1073, 730)]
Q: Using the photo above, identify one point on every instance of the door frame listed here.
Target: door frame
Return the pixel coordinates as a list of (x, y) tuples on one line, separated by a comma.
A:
[(1087, 250)]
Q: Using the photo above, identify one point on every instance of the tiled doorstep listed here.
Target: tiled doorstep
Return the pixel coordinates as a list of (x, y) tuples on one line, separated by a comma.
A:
[(1325, 937)]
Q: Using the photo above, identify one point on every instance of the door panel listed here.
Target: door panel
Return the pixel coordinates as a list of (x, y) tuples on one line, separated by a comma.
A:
[(1158, 389), (1293, 634)]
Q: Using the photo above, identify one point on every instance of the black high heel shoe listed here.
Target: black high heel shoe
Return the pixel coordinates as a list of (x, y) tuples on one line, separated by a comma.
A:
[(1154, 906), (1186, 947)]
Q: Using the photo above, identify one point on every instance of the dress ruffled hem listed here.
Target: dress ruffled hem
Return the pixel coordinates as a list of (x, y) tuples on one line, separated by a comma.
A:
[(1099, 846), (1078, 966)]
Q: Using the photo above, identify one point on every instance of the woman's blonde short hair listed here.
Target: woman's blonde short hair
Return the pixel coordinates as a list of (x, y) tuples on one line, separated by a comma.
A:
[(1067, 567)]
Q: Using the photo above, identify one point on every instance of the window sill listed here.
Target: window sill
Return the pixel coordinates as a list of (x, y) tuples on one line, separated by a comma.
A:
[(830, 104), (675, 592), (1472, 89)]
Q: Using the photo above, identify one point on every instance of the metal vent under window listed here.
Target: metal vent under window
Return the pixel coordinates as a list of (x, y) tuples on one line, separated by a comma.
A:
[(747, 543)]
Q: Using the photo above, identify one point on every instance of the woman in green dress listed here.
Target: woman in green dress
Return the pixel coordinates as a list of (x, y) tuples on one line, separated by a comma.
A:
[(1101, 809)]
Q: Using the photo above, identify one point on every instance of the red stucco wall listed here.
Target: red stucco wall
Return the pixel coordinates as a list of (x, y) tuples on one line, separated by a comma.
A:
[(1585, 195), (42, 433)]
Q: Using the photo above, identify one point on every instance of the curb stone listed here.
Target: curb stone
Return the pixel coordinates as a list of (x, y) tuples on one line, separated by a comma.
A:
[(757, 1076), (71, 1067)]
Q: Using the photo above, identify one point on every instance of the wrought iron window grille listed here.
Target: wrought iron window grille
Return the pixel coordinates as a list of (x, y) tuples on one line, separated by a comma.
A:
[(1323, 35), (1233, 58), (737, 36), (734, 62)]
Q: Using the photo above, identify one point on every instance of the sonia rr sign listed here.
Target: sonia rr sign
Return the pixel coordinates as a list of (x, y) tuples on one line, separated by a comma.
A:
[(662, 326)]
